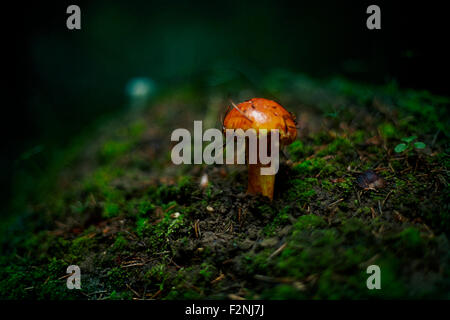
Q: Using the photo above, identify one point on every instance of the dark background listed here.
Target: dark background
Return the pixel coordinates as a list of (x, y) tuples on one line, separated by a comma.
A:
[(58, 82)]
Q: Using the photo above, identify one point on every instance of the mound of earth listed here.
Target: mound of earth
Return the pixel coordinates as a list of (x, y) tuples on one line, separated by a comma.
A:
[(140, 227)]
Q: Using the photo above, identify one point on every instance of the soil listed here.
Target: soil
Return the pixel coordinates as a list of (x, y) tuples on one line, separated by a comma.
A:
[(140, 227)]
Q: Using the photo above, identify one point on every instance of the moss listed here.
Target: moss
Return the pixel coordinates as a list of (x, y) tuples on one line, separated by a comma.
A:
[(257, 263), (301, 263), (354, 256), (387, 130), (353, 225), (160, 232), (339, 145), (112, 149), (327, 185), (314, 247), (281, 218), (207, 271), (145, 207), (331, 285), (358, 137), (101, 179), (364, 211), (425, 109), (309, 221), (100, 184), (81, 245), (310, 167), (344, 186), (14, 281), (410, 238), (166, 193), (157, 273), (136, 129), (302, 189), (120, 243), (184, 294), (311, 247), (142, 225), (125, 295), (266, 210), (111, 210), (25, 282), (314, 167), (282, 292), (298, 150), (117, 278)]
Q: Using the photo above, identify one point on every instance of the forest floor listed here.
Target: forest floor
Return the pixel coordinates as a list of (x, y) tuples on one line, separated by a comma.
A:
[(140, 227)]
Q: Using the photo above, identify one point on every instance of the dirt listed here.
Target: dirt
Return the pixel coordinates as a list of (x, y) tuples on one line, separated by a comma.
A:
[(140, 227)]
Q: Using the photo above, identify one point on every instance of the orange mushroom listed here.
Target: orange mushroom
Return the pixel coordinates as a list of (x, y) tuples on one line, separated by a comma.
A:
[(260, 113)]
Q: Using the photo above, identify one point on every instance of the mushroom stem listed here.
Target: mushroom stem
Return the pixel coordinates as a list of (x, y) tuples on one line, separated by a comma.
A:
[(260, 184)]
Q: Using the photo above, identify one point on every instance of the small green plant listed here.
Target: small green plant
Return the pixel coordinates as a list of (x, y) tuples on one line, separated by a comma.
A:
[(408, 144)]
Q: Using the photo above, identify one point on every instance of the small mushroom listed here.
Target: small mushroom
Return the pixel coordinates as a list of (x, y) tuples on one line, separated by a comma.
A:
[(204, 181), (260, 113)]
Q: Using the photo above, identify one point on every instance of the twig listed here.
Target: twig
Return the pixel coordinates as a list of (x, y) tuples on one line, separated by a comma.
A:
[(239, 215), (400, 217), (162, 252), (385, 199), (335, 202), (197, 228), (156, 294), (379, 207), (132, 265), (274, 280), (219, 278), (276, 252), (63, 277), (391, 167), (134, 291), (96, 292), (372, 210), (235, 106), (176, 265)]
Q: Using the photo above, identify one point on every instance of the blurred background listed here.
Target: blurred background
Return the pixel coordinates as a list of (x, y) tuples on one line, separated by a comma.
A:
[(59, 83)]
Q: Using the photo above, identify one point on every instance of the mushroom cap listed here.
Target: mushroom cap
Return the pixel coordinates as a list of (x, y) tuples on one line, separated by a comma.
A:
[(260, 113)]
